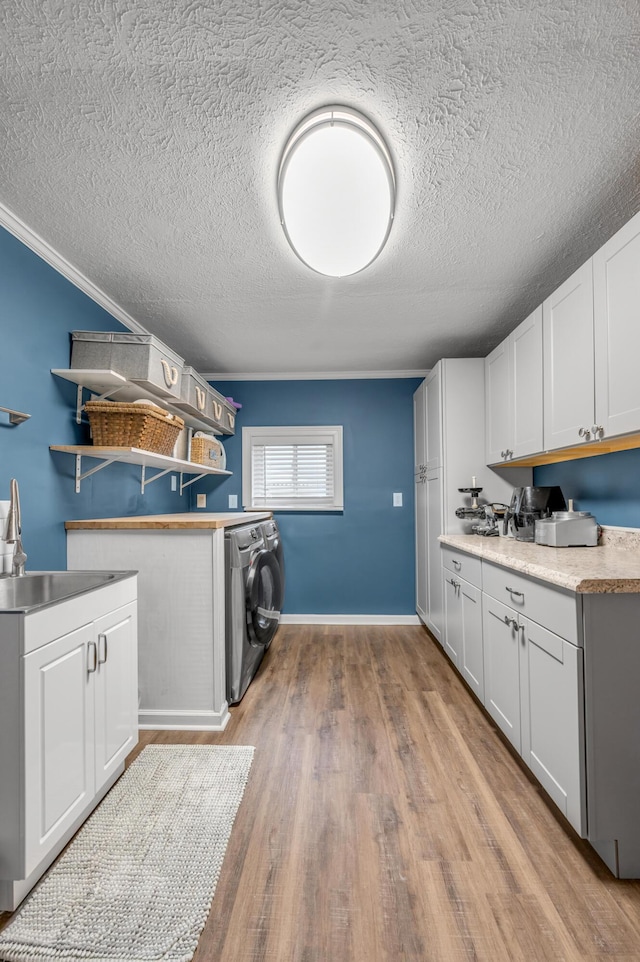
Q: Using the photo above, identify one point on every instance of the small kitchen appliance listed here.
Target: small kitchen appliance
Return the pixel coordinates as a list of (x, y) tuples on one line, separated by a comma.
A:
[(567, 529), (528, 505)]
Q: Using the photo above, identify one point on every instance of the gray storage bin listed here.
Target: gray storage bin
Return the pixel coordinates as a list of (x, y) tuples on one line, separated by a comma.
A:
[(142, 358), (200, 400)]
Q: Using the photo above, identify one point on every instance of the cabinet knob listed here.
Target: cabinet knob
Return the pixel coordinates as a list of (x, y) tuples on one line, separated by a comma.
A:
[(598, 431), (584, 433)]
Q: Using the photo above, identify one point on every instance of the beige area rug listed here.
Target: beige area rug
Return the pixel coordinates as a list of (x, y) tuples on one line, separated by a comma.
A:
[(137, 881)]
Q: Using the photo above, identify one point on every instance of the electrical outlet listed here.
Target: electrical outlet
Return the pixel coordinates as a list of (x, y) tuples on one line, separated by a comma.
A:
[(174, 483), (201, 500), (233, 500), (397, 499)]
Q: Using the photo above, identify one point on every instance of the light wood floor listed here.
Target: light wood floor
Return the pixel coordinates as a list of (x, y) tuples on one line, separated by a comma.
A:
[(385, 819)]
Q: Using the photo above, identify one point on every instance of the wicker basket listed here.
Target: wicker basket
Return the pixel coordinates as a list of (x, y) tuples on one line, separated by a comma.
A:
[(144, 426), (207, 451)]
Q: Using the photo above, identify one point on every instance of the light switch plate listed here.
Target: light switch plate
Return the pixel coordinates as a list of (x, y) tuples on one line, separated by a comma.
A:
[(201, 500), (397, 499), (233, 500), (174, 483)]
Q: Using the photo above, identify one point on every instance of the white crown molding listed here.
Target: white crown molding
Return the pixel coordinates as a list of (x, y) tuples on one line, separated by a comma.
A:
[(313, 375), (350, 620), (44, 250)]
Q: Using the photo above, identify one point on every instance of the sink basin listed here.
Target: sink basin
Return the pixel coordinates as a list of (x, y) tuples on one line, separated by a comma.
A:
[(36, 589)]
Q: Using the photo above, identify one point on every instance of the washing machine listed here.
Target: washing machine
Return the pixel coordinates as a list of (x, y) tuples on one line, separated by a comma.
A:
[(254, 595)]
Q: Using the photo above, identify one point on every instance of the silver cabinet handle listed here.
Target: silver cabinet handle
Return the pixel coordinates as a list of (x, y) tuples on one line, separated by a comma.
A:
[(102, 639), (512, 591), (458, 564), (584, 433), (94, 661), (598, 431), (511, 622), (453, 582)]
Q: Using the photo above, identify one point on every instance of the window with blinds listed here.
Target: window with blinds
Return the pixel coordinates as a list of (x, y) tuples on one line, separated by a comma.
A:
[(293, 468)]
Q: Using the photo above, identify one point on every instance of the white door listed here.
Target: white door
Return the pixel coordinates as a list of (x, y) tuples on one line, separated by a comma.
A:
[(552, 718), (471, 657), (568, 361), (616, 285), (58, 739), (498, 407), (420, 478), (116, 683), (501, 640), (435, 612), (452, 616), (433, 383), (525, 345)]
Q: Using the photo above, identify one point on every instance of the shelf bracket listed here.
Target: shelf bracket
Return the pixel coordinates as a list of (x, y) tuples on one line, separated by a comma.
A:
[(144, 481), (15, 417), (94, 397), (185, 484), (80, 477)]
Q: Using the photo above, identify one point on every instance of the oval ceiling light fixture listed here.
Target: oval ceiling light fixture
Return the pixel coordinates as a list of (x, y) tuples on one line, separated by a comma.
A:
[(336, 191)]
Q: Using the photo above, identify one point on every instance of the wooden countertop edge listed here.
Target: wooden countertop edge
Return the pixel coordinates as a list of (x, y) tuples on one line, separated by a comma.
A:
[(151, 524)]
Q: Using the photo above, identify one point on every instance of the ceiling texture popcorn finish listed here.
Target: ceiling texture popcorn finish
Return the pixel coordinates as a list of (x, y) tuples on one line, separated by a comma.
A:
[(141, 141)]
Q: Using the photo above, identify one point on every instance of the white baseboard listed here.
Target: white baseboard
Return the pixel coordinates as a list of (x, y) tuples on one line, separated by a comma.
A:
[(183, 721), (349, 620)]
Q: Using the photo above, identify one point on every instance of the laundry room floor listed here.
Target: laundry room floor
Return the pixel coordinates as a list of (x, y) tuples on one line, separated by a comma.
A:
[(386, 819)]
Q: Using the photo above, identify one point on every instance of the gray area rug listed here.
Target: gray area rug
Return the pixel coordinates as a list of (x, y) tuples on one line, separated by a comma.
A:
[(137, 881)]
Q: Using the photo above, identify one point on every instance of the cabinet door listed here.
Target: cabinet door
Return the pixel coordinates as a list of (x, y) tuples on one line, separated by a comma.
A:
[(568, 360), (420, 468), (116, 686), (435, 619), (470, 661), (433, 383), (552, 719), (498, 407), (616, 285), (420, 429), (421, 546), (525, 345), (501, 642), (452, 616), (58, 741)]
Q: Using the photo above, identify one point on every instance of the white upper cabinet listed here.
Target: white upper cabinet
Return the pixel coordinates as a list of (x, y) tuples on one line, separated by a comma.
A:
[(513, 393), (525, 345), (569, 409), (616, 287), (498, 411)]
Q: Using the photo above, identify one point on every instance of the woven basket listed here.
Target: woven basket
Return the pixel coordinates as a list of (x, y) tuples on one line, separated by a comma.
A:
[(207, 451), (144, 426)]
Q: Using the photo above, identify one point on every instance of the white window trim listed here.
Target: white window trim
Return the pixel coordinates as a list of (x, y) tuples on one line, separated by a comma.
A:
[(293, 435)]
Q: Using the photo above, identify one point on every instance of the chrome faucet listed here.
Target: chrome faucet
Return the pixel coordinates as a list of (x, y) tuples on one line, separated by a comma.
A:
[(14, 531)]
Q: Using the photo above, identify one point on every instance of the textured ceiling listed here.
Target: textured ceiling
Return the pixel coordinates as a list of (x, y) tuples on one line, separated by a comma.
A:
[(141, 139)]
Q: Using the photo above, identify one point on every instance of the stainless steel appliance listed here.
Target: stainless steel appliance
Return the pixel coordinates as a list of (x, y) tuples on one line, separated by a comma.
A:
[(567, 529), (528, 505), (254, 596)]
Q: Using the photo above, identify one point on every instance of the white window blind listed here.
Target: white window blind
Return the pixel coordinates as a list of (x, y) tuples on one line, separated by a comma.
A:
[(293, 468)]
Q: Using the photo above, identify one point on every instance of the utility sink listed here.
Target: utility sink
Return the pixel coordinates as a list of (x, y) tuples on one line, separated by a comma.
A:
[(37, 589)]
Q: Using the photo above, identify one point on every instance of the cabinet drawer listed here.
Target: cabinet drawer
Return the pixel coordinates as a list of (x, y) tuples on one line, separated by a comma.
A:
[(462, 564), (552, 607)]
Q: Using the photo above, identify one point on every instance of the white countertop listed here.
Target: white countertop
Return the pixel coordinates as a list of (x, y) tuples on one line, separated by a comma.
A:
[(605, 569)]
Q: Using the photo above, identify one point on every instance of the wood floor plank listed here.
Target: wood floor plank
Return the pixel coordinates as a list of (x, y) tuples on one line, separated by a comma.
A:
[(387, 820)]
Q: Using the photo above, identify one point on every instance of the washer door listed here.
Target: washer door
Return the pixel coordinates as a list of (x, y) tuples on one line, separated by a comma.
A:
[(264, 597)]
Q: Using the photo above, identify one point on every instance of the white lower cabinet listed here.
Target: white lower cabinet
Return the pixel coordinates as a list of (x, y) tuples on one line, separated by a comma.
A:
[(463, 617), (534, 693), (69, 717)]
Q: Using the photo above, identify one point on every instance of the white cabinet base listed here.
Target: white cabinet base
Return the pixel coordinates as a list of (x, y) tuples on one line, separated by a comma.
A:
[(184, 721), (13, 892)]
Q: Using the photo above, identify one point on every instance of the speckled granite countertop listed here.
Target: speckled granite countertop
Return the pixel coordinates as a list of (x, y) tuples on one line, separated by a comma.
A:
[(610, 568)]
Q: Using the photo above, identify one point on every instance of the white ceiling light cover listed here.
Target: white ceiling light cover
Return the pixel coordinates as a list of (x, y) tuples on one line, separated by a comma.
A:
[(336, 191)]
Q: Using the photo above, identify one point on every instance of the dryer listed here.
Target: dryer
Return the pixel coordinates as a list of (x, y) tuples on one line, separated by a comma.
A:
[(254, 595)]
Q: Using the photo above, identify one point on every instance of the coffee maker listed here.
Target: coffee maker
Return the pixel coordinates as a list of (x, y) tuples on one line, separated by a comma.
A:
[(528, 505)]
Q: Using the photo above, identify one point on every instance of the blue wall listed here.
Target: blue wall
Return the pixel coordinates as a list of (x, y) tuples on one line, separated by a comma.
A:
[(360, 561), (38, 309), (607, 485)]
